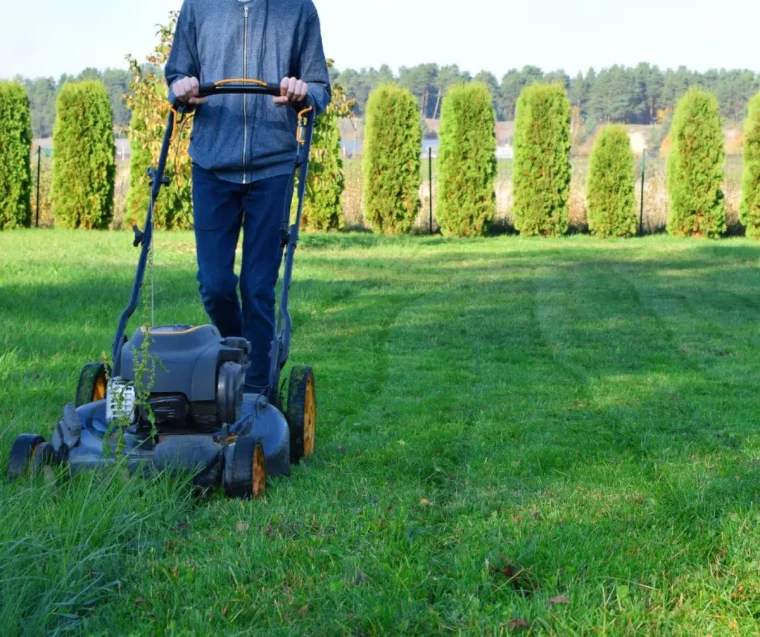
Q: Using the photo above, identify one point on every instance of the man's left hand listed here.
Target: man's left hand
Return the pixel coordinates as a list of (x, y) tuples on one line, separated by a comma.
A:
[(293, 91)]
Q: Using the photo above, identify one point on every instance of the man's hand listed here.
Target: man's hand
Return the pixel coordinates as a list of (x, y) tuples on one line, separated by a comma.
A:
[(186, 91), (292, 91)]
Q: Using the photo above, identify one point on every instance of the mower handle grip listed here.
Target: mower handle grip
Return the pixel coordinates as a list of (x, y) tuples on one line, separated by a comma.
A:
[(238, 88)]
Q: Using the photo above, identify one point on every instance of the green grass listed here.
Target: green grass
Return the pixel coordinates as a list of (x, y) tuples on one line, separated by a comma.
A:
[(555, 436)]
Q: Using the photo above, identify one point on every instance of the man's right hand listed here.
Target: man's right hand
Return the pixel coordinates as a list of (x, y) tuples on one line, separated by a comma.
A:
[(186, 91)]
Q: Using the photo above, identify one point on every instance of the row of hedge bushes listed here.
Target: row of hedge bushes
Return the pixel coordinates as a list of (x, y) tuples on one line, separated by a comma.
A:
[(542, 170), (467, 160), (84, 166)]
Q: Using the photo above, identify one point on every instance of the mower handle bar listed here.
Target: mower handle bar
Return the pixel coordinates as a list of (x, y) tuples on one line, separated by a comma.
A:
[(238, 88), (281, 344)]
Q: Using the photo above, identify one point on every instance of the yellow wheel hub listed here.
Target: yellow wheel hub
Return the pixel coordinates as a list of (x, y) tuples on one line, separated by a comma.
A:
[(309, 418), (259, 472), (99, 390)]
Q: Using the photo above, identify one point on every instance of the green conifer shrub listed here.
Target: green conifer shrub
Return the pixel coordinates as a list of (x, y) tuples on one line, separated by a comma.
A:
[(467, 161), (541, 169), (391, 160)]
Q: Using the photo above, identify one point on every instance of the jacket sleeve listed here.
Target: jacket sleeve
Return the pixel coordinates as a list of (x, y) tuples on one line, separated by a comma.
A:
[(183, 59), (312, 65)]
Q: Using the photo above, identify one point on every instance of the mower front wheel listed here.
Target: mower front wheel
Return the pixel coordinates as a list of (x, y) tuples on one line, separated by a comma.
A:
[(245, 472), (92, 385), (23, 454), (302, 412)]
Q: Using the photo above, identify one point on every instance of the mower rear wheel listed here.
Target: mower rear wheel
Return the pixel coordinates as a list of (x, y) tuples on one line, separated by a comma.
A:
[(22, 454), (245, 472), (302, 412), (92, 385)]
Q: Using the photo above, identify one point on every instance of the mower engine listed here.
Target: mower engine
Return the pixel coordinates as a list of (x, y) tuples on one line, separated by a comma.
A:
[(196, 379)]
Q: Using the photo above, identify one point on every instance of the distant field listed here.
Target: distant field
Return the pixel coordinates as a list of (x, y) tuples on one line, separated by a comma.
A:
[(551, 436)]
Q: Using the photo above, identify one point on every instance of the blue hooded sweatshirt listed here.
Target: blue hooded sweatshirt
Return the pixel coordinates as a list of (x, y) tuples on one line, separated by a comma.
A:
[(245, 138)]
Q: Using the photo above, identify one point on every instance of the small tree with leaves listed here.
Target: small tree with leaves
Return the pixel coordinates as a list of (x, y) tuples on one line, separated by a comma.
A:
[(84, 165), (391, 160), (322, 209), (541, 169), (15, 150), (150, 109), (610, 189), (467, 160), (695, 167), (750, 206)]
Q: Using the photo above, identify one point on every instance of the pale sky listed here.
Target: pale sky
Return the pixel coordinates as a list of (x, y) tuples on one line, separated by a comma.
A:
[(42, 37)]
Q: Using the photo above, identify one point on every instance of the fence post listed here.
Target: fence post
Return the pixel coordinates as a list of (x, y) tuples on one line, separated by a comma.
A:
[(643, 174), (37, 221), (430, 185)]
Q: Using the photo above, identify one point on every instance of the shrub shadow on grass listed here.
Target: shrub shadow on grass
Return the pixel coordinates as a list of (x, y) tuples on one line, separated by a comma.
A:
[(502, 227)]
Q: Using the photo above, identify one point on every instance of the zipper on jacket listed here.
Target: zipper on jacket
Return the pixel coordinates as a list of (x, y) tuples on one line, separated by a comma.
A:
[(245, 76)]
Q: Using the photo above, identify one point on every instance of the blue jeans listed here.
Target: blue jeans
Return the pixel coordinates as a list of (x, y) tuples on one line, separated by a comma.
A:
[(220, 208)]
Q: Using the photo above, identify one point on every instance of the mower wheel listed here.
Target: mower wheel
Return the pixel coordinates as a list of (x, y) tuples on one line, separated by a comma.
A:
[(302, 412), (245, 473), (22, 454), (93, 381), (44, 456)]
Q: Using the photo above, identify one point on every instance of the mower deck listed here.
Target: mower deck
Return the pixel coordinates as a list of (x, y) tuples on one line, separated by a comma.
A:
[(80, 436)]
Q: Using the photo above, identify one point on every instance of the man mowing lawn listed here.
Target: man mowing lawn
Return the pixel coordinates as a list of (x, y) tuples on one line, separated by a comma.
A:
[(242, 149)]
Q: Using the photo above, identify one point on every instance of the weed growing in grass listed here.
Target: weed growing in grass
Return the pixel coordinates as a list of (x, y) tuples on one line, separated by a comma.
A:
[(144, 364)]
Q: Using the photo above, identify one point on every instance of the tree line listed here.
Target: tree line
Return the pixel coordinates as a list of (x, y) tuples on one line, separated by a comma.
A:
[(643, 94)]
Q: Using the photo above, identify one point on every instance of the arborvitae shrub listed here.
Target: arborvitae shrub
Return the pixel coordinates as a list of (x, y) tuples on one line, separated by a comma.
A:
[(391, 160), (541, 168), (322, 208), (83, 157), (750, 206), (15, 151), (610, 190), (467, 161), (695, 168)]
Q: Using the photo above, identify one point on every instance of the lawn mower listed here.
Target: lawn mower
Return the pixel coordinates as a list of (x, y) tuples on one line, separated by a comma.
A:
[(173, 397)]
